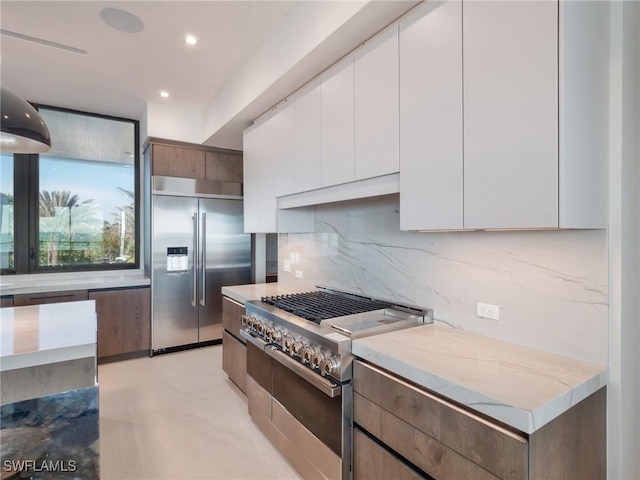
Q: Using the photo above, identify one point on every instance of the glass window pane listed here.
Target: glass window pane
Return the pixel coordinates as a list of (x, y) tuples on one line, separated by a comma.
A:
[(6, 212), (87, 191)]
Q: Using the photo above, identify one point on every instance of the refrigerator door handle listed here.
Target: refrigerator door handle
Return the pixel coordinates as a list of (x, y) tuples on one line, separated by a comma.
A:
[(194, 289), (203, 263)]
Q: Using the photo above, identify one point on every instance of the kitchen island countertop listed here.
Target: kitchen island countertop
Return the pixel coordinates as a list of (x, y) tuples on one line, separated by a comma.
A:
[(520, 386)]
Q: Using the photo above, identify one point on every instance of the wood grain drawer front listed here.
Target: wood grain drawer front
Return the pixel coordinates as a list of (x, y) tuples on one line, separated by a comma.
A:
[(178, 162), (6, 302), (431, 456), (232, 312), (223, 167), (500, 451), (50, 297), (372, 462), (234, 360)]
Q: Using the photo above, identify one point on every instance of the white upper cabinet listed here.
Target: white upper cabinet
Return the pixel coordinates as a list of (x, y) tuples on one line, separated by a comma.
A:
[(260, 207), (308, 146), (337, 113), (431, 166), (377, 106), (285, 147), (510, 114)]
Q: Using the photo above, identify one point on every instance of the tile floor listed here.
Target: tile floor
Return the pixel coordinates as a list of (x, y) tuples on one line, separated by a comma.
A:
[(178, 416)]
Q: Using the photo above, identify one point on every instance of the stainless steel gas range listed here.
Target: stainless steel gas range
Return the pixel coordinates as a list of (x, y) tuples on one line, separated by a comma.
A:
[(299, 370)]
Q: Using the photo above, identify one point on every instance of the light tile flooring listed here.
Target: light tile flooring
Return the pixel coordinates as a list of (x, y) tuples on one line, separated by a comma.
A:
[(178, 416)]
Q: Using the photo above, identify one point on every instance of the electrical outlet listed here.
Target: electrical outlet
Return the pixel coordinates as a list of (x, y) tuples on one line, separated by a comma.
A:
[(486, 310), (286, 265), (298, 273)]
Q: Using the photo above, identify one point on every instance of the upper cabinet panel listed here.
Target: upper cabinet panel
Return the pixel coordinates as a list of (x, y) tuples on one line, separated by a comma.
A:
[(285, 145), (431, 118), (510, 114), (178, 162), (337, 112), (377, 106), (308, 169)]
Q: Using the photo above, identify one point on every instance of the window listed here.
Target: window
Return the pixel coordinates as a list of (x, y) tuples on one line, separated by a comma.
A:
[(6, 212), (80, 209)]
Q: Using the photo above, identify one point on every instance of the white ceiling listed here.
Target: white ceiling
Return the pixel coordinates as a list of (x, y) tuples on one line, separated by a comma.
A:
[(121, 72)]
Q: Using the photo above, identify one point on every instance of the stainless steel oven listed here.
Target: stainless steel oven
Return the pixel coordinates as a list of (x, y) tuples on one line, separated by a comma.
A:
[(299, 371)]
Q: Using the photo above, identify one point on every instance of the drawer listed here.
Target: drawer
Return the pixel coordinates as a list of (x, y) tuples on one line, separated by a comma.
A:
[(373, 462), (232, 312), (50, 297), (234, 360), (497, 449)]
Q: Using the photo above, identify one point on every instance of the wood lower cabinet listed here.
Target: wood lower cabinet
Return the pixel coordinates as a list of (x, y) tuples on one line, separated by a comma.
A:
[(6, 302), (21, 300), (234, 349), (124, 320), (432, 437)]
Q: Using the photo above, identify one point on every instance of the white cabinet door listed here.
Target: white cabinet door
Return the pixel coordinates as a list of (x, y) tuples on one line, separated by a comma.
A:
[(337, 111), (510, 114), (285, 145), (251, 179), (431, 173), (267, 189), (308, 167), (377, 106)]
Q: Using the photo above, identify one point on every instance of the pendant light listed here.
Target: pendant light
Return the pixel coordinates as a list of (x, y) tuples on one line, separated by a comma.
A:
[(23, 129)]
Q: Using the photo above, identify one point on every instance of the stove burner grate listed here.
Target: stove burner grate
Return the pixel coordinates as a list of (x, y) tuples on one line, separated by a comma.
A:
[(317, 306)]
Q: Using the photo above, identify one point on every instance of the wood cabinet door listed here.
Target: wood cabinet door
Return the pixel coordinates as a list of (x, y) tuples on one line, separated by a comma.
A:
[(308, 167), (234, 360), (337, 112), (178, 162), (224, 167), (377, 107), (124, 320), (510, 114), (431, 118), (373, 462)]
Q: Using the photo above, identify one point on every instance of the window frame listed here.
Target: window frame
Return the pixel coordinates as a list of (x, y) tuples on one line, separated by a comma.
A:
[(26, 186)]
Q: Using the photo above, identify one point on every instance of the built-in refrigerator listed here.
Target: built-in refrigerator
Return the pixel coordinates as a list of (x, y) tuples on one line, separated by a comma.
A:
[(198, 245)]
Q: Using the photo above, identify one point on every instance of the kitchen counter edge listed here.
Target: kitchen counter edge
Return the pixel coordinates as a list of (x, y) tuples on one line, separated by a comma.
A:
[(60, 282)]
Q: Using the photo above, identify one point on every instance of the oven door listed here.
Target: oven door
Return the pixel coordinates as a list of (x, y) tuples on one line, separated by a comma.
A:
[(303, 413)]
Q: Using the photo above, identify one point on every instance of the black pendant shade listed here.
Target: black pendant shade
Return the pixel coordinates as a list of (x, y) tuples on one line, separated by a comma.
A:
[(23, 129)]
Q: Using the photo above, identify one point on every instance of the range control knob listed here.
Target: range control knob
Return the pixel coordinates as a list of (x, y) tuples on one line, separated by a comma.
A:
[(307, 355), (317, 359), (245, 320), (296, 348), (287, 342), (328, 366), (274, 335), (259, 326)]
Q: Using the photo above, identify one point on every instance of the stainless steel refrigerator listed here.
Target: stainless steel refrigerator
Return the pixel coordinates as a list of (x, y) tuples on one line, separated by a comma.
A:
[(198, 246)]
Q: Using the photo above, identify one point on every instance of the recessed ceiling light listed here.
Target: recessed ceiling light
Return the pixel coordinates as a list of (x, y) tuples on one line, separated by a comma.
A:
[(190, 39), (121, 20), (164, 94)]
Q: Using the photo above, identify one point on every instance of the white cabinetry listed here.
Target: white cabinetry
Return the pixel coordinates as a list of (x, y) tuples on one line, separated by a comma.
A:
[(524, 142), (308, 169), (510, 114), (377, 106), (285, 145), (260, 207), (337, 112), (431, 169)]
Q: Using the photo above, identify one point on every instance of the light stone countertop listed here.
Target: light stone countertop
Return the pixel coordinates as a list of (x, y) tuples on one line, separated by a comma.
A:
[(59, 282), (255, 291), (519, 386), (42, 334)]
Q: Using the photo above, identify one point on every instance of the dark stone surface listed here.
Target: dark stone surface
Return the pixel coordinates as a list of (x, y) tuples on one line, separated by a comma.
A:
[(53, 437)]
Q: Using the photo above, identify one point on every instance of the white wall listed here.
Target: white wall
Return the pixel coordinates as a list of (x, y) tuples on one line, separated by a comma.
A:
[(171, 123), (551, 285)]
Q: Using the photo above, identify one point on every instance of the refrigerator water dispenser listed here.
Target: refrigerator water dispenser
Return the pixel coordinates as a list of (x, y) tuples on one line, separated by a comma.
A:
[(177, 259)]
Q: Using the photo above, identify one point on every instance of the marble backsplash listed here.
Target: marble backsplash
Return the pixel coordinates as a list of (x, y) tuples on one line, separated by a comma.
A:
[(551, 286)]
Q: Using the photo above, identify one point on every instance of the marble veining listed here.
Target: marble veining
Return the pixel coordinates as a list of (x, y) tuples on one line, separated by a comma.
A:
[(520, 386), (52, 437), (550, 285)]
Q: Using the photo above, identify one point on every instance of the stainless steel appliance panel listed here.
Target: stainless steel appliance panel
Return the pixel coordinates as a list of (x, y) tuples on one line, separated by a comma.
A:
[(225, 259), (175, 311)]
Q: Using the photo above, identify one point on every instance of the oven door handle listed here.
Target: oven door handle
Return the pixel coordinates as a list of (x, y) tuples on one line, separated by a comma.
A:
[(325, 386)]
